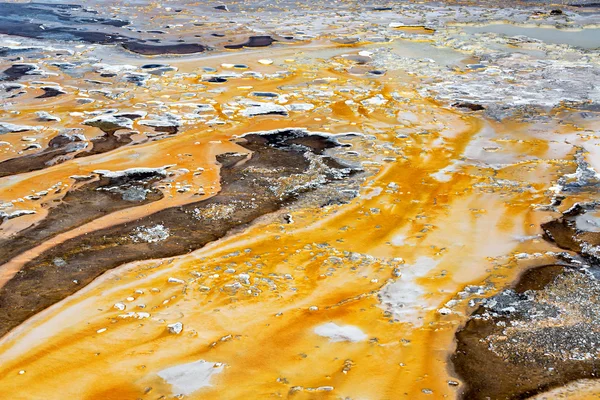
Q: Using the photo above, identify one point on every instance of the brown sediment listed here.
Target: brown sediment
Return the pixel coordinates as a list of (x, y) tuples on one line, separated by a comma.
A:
[(16, 71), (106, 143), (58, 147), (564, 232), (59, 152), (540, 335), (50, 92), (538, 278), (535, 360), (158, 49), (469, 106), (253, 41), (274, 175), (81, 205)]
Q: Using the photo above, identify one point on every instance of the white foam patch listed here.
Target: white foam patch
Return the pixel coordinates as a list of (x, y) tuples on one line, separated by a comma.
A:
[(445, 174), (6, 127), (114, 69), (404, 297), (258, 108), (132, 171), (372, 192), (336, 333), (188, 378), (398, 240)]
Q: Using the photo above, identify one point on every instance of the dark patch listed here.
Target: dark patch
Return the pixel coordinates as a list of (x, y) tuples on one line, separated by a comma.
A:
[(106, 143), (11, 87), (564, 232), (538, 278), (153, 66), (84, 204), (250, 188), (170, 130), (153, 50), (468, 106), (253, 41), (358, 59), (556, 12), (59, 146), (216, 79), (585, 5), (33, 146), (129, 115), (264, 94), (537, 357), (53, 22), (16, 19), (346, 40), (289, 139), (51, 13), (222, 8), (63, 148), (50, 92), (17, 71), (517, 344), (62, 140), (115, 22)]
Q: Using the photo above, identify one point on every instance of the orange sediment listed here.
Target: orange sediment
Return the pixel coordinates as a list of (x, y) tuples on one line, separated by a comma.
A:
[(424, 197)]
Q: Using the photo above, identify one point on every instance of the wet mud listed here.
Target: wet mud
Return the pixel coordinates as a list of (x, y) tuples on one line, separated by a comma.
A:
[(62, 148), (94, 196), (566, 233), (542, 333), (253, 41), (59, 149)]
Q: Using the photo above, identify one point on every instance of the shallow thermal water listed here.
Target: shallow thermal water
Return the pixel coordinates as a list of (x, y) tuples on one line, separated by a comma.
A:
[(588, 38), (247, 200)]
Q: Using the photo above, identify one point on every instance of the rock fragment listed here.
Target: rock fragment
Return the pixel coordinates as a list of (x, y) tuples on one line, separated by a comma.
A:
[(175, 328)]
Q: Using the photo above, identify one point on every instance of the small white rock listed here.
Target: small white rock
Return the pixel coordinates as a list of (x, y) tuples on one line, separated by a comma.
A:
[(175, 328)]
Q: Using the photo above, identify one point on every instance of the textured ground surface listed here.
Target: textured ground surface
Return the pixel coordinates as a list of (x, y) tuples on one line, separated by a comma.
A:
[(334, 200)]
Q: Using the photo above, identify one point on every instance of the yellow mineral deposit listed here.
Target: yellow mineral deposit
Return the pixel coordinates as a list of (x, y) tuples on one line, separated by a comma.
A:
[(334, 302), (416, 215)]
